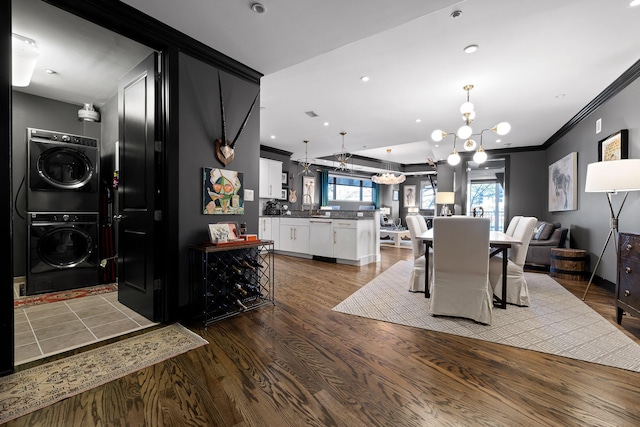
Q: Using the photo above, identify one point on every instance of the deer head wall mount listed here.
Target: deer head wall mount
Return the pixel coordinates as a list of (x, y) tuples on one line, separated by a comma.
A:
[(224, 149)]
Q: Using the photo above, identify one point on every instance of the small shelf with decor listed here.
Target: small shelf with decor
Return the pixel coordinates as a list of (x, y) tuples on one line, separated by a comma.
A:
[(226, 280)]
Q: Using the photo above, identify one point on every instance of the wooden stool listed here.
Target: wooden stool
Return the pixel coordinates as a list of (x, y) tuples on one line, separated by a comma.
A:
[(570, 264)]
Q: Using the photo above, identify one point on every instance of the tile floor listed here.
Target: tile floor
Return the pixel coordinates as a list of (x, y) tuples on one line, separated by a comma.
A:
[(47, 329)]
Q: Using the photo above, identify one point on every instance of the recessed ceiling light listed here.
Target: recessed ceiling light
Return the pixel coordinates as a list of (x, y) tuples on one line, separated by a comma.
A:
[(418, 120), (273, 137), (258, 8), (471, 48), (561, 95), (50, 72), (456, 14), (326, 123), (498, 141), (364, 78), (633, 3)]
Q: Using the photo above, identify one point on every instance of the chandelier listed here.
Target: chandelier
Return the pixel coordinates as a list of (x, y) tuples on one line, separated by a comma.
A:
[(465, 133), (343, 157), (388, 177), (305, 164)]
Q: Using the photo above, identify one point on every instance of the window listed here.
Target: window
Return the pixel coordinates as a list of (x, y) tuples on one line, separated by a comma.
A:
[(428, 194), (489, 195), (351, 189)]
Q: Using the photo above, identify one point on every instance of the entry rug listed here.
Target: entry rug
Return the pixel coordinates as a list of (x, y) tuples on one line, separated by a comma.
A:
[(28, 301), (556, 322), (44, 385)]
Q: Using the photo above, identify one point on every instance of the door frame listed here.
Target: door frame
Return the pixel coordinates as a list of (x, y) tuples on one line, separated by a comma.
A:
[(131, 23)]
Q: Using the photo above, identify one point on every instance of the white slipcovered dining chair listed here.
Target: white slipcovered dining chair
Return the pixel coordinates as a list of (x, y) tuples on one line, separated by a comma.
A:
[(517, 290), (416, 279), (461, 268), (513, 224)]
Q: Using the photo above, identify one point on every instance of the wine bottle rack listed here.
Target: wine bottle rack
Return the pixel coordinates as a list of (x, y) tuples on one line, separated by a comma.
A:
[(228, 280)]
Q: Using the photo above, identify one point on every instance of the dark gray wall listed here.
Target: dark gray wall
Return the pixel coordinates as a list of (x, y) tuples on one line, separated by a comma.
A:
[(42, 113), (200, 125), (589, 224)]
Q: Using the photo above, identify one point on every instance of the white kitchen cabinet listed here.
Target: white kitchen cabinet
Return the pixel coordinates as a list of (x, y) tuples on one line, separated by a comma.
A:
[(294, 235), (321, 237), (269, 229), (270, 179), (345, 239)]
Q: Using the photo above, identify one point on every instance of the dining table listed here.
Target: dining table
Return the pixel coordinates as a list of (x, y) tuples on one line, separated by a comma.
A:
[(499, 242)]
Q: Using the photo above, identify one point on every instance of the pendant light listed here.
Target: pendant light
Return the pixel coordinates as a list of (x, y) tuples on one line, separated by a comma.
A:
[(465, 132)]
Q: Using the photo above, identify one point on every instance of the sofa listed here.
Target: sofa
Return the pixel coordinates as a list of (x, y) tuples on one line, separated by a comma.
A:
[(547, 235)]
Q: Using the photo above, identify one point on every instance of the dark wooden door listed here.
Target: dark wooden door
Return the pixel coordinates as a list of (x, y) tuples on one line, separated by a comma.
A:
[(137, 98)]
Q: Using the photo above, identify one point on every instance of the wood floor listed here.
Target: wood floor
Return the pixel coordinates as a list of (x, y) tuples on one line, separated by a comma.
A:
[(301, 364)]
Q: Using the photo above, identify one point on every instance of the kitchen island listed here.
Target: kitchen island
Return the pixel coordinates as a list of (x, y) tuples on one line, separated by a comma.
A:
[(346, 237)]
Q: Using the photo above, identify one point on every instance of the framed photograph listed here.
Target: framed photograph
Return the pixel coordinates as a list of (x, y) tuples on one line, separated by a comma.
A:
[(283, 195), (234, 230), (308, 189), (395, 195), (219, 233), (563, 191), (409, 196), (222, 192), (284, 178), (614, 147)]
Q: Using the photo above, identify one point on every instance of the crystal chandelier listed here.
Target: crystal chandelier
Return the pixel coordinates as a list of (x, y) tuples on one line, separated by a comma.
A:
[(465, 133), (388, 177), (305, 164), (343, 157)]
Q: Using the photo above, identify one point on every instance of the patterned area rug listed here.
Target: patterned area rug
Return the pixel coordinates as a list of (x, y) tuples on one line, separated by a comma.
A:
[(35, 388), (31, 300), (556, 322)]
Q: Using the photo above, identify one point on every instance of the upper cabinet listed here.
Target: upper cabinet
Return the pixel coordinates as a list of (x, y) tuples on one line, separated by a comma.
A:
[(270, 179)]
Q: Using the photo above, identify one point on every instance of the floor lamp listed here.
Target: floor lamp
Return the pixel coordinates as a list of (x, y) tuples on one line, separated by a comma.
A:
[(610, 177)]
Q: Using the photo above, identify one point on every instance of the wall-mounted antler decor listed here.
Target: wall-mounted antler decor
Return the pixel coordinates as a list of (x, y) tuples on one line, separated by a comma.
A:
[(224, 148)]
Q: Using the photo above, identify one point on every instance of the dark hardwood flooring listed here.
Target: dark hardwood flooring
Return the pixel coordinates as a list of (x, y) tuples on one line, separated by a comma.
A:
[(300, 364)]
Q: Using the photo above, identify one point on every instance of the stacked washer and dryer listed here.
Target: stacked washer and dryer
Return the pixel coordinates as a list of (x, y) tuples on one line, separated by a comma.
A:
[(62, 211)]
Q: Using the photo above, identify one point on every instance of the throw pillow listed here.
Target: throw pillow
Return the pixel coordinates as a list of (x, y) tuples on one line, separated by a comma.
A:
[(547, 231), (538, 230)]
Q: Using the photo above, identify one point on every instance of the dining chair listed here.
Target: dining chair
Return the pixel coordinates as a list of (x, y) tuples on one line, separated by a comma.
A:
[(416, 279), (517, 290), (461, 268), (513, 224)]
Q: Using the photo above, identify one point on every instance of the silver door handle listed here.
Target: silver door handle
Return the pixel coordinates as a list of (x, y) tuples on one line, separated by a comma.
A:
[(118, 217)]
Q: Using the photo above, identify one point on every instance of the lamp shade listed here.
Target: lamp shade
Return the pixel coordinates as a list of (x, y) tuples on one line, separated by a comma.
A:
[(613, 175), (445, 197)]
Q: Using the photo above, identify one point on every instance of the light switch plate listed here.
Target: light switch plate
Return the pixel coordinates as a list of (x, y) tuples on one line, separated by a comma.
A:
[(248, 195), (598, 125)]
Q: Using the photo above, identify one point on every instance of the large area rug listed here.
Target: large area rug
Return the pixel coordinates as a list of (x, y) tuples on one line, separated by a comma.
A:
[(43, 385), (556, 322)]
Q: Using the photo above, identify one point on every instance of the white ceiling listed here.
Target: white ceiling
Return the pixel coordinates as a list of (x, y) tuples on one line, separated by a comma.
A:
[(539, 63)]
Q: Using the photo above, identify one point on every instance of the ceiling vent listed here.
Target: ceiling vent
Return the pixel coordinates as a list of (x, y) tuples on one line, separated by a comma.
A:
[(311, 114)]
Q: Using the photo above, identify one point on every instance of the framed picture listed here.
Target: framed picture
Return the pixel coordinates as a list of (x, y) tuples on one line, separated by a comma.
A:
[(234, 230), (222, 192), (614, 147), (284, 178), (283, 195), (395, 195), (563, 192), (219, 233), (308, 189), (409, 196)]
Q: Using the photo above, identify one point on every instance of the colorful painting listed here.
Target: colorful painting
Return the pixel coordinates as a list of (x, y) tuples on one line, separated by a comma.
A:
[(222, 192), (563, 194), (614, 147)]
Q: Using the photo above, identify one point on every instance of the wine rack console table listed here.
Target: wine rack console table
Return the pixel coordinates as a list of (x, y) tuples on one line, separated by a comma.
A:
[(226, 280)]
